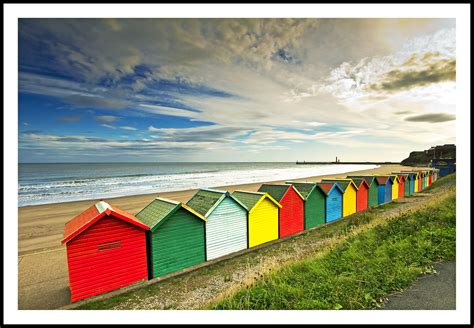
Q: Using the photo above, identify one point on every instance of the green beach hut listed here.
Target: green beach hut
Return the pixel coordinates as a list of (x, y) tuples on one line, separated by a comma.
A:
[(176, 239), (314, 200), (373, 187)]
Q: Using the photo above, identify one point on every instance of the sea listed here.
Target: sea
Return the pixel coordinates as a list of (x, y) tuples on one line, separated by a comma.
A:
[(64, 182)]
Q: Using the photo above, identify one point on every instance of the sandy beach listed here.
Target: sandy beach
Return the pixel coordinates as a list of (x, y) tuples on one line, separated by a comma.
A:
[(42, 264)]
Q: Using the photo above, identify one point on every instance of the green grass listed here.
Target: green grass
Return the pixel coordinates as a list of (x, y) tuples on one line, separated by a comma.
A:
[(360, 272)]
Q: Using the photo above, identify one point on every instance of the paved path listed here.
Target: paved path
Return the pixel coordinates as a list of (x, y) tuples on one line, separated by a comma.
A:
[(429, 292), (43, 280)]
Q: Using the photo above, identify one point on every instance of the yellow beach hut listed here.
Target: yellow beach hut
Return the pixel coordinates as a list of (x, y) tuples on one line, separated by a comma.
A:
[(262, 211), (349, 198), (417, 181)]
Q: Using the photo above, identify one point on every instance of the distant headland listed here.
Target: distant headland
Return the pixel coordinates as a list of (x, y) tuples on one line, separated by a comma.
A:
[(416, 158)]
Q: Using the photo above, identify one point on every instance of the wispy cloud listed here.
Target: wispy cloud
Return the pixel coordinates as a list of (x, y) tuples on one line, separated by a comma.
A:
[(129, 128), (432, 118), (106, 119)]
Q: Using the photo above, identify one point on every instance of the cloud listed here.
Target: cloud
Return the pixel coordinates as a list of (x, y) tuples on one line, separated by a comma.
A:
[(113, 24), (55, 139), (247, 82), (69, 119), (169, 111), (420, 62), (128, 128), (315, 124), (88, 145), (211, 133), (414, 73), (432, 118), (95, 102), (106, 119), (109, 126)]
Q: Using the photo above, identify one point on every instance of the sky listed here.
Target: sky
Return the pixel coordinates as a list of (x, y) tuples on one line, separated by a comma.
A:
[(155, 90)]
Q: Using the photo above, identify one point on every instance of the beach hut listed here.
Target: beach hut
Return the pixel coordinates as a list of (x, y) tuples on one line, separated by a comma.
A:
[(416, 179), (314, 199), (292, 212), (373, 184), (401, 184), (349, 199), (412, 180), (362, 193), (226, 225), (333, 200), (385, 189), (421, 182), (176, 239), (395, 183), (262, 215), (106, 250), (404, 184)]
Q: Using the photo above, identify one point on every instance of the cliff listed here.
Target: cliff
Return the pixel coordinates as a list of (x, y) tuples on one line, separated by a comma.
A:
[(423, 158)]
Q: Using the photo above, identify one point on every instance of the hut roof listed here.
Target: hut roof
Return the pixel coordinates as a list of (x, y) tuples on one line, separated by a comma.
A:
[(368, 178), (252, 198), (277, 191), (382, 179), (304, 188), (326, 187), (155, 213), (81, 222), (402, 176), (359, 181), (206, 200), (343, 183)]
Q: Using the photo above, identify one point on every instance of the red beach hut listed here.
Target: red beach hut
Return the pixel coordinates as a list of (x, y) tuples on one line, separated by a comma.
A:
[(292, 212), (401, 185), (362, 194), (106, 250)]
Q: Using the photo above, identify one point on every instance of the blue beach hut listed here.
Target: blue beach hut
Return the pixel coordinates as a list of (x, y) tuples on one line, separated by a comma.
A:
[(333, 202)]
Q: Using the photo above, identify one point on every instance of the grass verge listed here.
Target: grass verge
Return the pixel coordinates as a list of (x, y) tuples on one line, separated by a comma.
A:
[(361, 271)]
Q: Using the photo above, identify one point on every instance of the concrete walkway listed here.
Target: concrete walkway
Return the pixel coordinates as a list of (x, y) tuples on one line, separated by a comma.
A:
[(43, 280), (429, 292)]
